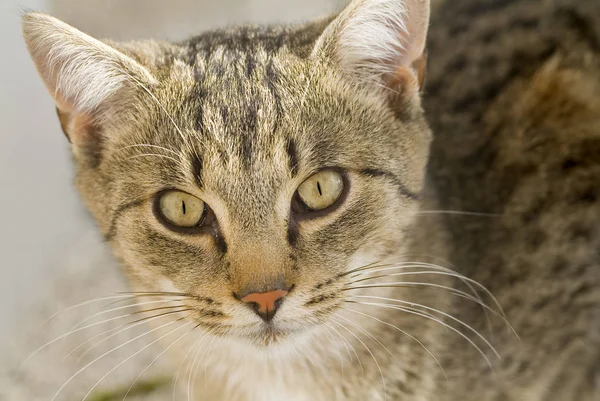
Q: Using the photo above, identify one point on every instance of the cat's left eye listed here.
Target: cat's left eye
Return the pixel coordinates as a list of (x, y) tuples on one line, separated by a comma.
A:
[(178, 209), (321, 191)]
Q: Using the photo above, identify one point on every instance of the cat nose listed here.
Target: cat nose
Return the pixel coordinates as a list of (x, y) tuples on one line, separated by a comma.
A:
[(265, 304)]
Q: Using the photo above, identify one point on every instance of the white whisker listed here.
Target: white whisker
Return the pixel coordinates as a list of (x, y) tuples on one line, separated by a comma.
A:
[(458, 212), (105, 311), (366, 333), (401, 284), (194, 346), (453, 291), (134, 354), (55, 315), (153, 154), (369, 351), (406, 334), (449, 316), (343, 342), (155, 359), (159, 104), (128, 326), (193, 370), (34, 353), (102, 356), (444, 272), (348, 347), (437, 268), (147, 145), (419, 313), (334, 344)]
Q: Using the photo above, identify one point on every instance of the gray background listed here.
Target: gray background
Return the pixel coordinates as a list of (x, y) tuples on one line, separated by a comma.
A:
[(42, 220)]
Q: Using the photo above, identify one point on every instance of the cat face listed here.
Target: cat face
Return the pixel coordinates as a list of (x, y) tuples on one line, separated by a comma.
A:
[(239, 169)]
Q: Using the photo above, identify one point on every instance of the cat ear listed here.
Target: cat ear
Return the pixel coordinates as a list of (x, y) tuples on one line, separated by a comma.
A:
[(380, 42), (83, 74)]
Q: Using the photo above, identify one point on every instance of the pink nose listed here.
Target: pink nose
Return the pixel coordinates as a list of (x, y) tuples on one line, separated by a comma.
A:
[(266, 303)]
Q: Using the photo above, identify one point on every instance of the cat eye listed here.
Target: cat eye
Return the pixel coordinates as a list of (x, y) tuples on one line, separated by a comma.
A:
[(178, 209), (320, 191)]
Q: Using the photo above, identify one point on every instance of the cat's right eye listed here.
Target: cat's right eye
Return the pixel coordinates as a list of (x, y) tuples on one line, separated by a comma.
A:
[(177, 209)]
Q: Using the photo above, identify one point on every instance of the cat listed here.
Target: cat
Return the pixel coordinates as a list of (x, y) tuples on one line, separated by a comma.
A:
[(278, 189)]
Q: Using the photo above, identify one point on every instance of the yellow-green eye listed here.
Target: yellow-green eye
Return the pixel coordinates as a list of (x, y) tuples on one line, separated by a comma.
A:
[(321, 190), (181, 209)]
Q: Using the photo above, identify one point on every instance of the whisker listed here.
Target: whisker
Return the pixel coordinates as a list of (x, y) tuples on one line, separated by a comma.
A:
[(143, 295), (345, 343), (406, 334), (308, 356), (366, 333), (359, 268), (134, 354), (403, 264), (334, 344), (194, 346), (462, 278), (385, 267), (453, 291), (155, 359), (458, 212), (447, 272), (422, 265), (153, 154), (128, 326), (418, 313), (159, 104), (449, 316), (155, 293), (87, 302), (92, 339), (477, 298), (194, 368), (34, 353), (369, 351), (147, 145), (102, 356), (105, 311), (401, 284), (208, 350), (348, 347)]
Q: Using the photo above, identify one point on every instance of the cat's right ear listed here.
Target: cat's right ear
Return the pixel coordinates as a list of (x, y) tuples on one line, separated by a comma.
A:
[(84, 75)]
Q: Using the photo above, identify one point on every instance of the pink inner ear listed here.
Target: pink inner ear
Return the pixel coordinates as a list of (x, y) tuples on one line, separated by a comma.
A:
[(417, 22), (80, 128)]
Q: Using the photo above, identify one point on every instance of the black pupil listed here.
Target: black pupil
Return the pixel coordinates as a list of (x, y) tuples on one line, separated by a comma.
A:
[(183, 206), (319, 188)]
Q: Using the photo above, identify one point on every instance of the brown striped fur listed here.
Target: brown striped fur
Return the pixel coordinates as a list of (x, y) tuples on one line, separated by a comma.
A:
[(244, 115)]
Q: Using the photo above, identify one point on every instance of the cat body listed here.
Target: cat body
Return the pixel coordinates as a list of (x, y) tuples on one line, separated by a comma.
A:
[(383, 297), (515, 106)]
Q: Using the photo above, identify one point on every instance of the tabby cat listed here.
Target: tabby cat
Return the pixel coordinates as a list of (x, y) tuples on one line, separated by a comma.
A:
[(269, 186)]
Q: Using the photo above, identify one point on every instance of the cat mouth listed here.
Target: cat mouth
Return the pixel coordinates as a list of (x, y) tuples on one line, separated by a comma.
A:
[(268, 335)]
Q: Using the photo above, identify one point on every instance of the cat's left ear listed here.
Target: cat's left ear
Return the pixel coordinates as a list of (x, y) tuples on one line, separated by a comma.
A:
[(86, 77), (380, 42)]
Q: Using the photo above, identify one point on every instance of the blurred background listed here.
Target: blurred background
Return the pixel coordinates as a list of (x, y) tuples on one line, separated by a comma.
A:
[(45, 234)]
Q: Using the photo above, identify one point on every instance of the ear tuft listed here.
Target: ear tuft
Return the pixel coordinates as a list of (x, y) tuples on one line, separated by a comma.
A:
[(79, 71)]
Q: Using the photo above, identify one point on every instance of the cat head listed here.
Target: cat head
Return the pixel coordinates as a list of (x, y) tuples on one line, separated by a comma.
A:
[(250, 169)]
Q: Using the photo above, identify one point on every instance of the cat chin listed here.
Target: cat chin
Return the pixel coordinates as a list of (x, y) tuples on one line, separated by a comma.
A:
[(267, 338), (273, 340)]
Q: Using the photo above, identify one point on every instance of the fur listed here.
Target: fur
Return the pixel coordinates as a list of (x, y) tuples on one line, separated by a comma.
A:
[(241, 117)]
